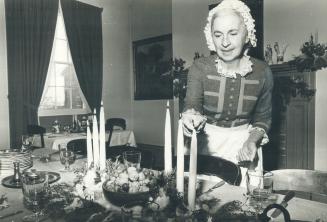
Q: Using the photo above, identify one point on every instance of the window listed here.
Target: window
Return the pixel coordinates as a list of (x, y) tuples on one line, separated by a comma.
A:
[(62, 94)]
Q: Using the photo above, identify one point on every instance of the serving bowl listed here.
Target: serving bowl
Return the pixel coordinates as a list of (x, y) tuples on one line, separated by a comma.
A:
[(120, 198)]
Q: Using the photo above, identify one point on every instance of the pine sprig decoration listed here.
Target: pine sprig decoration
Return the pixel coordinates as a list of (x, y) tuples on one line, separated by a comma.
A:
[(313, 57), (311, 49)]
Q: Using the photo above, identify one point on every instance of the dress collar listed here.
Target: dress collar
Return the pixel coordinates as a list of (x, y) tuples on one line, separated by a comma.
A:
[(244, 68)]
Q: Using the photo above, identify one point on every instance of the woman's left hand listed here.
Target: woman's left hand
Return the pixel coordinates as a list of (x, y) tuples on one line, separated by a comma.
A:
[(247, 152)]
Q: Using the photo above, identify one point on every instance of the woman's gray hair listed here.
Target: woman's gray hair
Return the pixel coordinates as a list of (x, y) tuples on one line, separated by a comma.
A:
[(239, 7)]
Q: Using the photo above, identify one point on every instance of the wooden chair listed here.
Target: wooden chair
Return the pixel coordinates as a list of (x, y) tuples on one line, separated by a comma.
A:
[(36, 130), (212, 165), (112, 123), (78, 146), (313, 182)]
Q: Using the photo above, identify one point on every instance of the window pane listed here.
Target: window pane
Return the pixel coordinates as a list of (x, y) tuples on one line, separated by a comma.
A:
[(49, 99), (76, 99), (61, 33), (61, 51), (60, 97), (62, 91), (70, 77), (51, 78), (68, 97), (74, 82), (62, 75)]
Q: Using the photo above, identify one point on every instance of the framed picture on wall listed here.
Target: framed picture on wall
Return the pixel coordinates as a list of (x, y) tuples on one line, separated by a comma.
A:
[(256, 7), (152, 68)]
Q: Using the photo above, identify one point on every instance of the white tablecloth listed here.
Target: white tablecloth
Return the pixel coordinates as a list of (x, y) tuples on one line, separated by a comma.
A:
[(119, 138), (299, 209)]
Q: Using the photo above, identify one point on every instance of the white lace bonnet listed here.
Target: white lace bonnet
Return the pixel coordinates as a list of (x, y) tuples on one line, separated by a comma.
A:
[(239, 7)]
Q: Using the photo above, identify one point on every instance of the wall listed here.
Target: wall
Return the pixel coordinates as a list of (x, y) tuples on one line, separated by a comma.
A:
[(149, 18), (116, 30), (189, 19), (124, 22), (292, 24), (290, 21), (116, 59), (4, 110)]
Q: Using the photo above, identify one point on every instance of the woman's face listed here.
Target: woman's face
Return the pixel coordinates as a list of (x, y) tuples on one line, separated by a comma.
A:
[(229, 35)]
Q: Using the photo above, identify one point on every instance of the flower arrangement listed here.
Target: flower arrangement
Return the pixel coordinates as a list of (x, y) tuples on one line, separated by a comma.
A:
[(164, 199), (313, 57)]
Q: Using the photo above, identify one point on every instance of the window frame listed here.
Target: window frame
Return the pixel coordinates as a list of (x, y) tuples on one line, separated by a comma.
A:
[(58, 111)]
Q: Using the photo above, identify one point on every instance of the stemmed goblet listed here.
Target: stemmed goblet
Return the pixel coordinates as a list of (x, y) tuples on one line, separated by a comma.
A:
[(132, 159), (67, 157)]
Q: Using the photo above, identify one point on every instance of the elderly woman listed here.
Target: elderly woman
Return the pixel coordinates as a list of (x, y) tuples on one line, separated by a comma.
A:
[(229, 93)]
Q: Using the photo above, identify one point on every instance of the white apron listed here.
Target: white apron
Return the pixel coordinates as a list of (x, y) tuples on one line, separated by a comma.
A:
[(225, 143)]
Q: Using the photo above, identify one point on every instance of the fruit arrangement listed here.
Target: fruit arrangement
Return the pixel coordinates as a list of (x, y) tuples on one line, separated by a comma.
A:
[(129, 179)]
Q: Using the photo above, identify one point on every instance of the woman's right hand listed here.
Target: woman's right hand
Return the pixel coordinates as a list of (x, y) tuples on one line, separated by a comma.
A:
[(192, 121)]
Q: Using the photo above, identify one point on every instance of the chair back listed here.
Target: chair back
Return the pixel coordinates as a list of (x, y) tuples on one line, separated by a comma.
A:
[(115, 122), (216, 166), (310, 181), (78, 146), (112, 123), (36, 130)]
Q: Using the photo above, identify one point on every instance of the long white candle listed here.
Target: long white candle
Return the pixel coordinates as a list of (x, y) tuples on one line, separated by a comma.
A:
[(96, 151), (167, 148), (89, 145), (180, 158), (316, 37), (193, 172), (102, 135)]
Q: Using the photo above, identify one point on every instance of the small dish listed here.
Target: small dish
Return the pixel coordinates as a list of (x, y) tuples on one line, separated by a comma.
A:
[(8, 181)]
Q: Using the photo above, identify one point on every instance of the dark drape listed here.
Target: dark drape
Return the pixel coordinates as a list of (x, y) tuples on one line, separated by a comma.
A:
[(83, 24), (30, 26)]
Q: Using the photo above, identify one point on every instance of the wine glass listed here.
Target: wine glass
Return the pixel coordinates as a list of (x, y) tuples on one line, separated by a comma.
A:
[(67, 157), (35, 187), (132, 159), (27, 142)]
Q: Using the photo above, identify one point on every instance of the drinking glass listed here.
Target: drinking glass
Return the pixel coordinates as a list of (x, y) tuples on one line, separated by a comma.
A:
[(259, 188), (35, 187), (67, 157), (27, 142), (62, 146), (259, 184), (132, 159)]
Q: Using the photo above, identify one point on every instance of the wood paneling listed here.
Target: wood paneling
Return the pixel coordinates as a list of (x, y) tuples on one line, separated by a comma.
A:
[(292, 132)]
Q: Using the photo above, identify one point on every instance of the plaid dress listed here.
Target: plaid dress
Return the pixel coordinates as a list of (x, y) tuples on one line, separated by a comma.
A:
[(232, 107), (229, 102)]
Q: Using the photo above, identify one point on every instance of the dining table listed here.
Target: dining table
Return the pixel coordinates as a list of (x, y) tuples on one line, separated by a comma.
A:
[(299, 209), (53, 140)]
